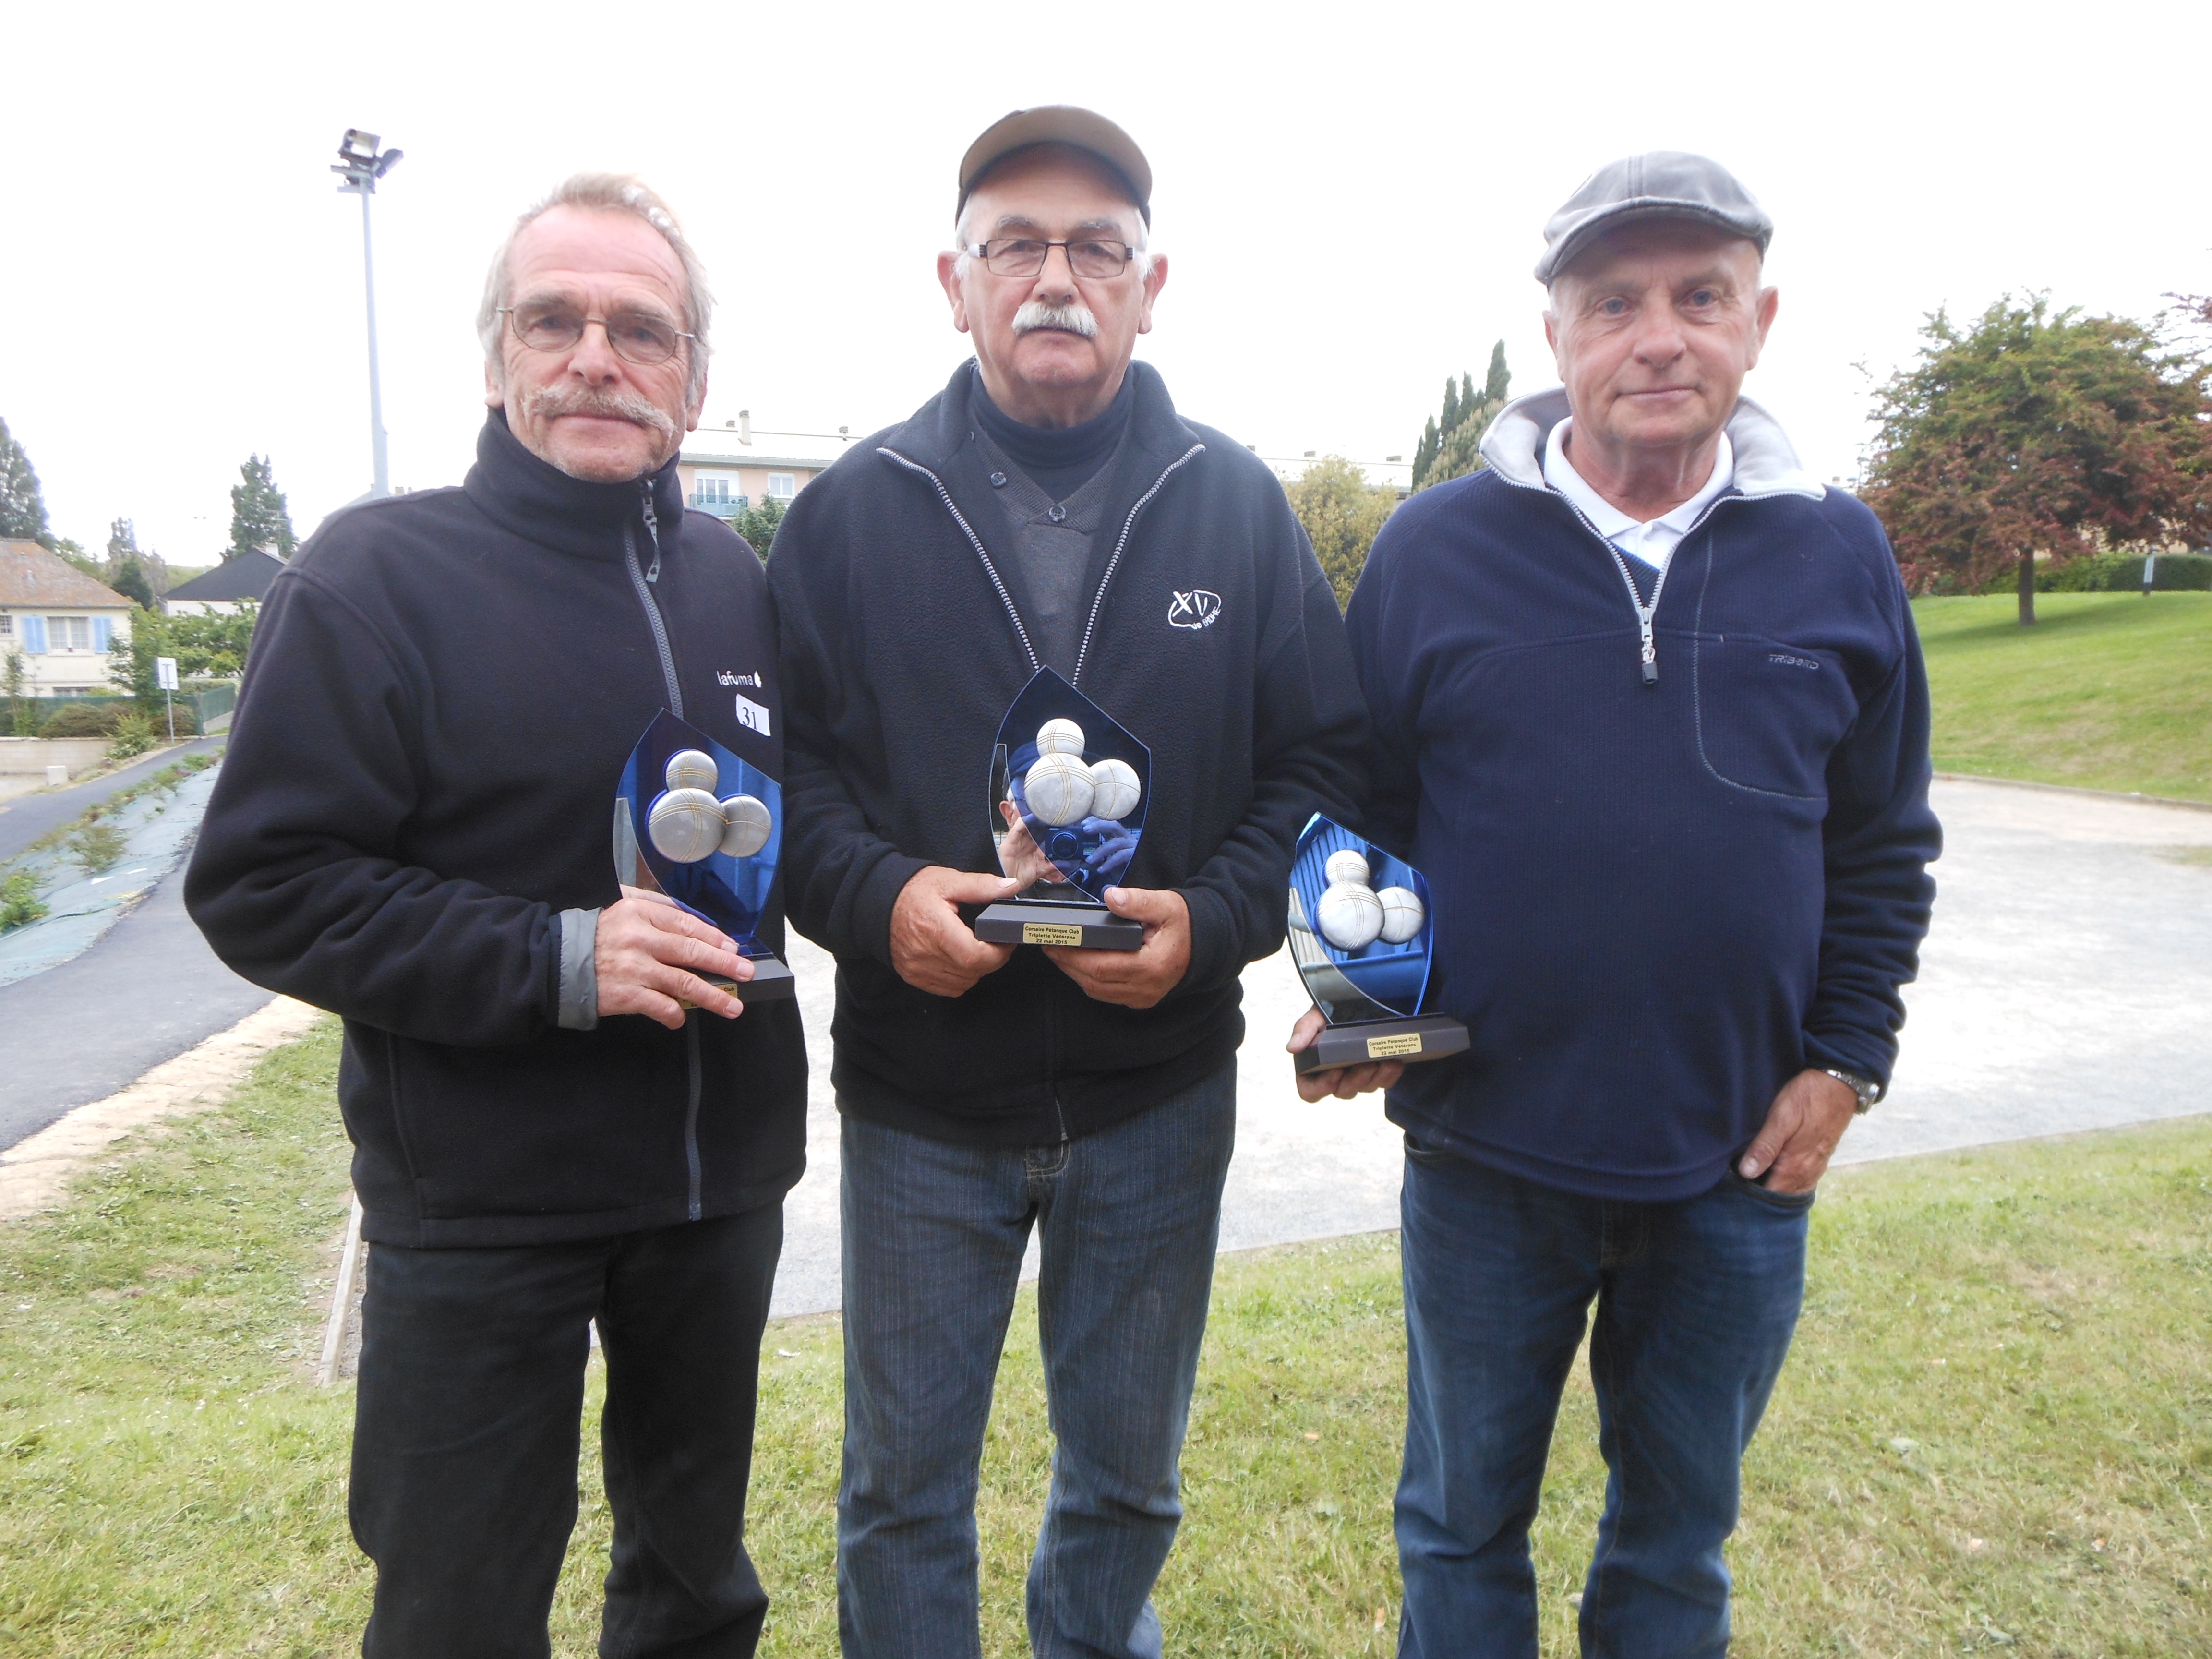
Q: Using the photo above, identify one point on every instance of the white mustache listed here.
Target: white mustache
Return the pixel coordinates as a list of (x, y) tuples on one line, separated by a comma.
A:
[(551, 402), (1076, 319)]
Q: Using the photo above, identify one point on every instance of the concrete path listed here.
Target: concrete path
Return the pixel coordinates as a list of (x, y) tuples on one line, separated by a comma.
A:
[(27, 817), (2067, 985), (145, 993)]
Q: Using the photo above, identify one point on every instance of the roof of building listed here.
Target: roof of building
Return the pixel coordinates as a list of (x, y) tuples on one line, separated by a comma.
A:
[(720, 445), (246, 577), (30, 575)]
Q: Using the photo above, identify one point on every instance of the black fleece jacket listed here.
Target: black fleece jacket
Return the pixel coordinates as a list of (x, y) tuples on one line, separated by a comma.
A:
[(1212, 635), (443, 689)]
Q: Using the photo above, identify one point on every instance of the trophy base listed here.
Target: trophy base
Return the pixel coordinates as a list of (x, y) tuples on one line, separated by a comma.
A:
[(1085, 927), (772, 981), (1429, 1037)]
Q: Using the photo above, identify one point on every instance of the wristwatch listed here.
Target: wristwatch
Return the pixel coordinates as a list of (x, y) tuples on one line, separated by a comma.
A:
[(1867, 1091)]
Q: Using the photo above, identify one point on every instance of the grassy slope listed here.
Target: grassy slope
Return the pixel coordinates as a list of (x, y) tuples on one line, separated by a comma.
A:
[(2106, 691), (1998, 1422)]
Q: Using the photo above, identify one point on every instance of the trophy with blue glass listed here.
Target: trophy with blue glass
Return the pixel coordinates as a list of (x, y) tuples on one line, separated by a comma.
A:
[(695, 822), (1361, 936), (1068, 790)]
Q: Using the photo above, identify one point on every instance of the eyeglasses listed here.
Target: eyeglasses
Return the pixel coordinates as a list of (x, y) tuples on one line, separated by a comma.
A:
[(1024, 256), (637, 337)]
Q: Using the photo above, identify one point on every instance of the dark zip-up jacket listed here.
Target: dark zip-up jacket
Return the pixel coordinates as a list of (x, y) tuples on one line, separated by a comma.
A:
[(1669, 869), (443, 689), (1210, 633)]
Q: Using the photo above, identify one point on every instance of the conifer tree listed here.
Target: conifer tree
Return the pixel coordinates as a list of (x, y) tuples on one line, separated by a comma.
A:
[(1451, 446), (259, 515), (23, 504)]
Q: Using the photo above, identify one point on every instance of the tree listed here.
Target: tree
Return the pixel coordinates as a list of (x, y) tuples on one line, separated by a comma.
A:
[(1451, 445), (1341, 512), (757, 524), (23, 711), (2033, 431), (22, 503), (259, 517), (209, 647), (126, 566)]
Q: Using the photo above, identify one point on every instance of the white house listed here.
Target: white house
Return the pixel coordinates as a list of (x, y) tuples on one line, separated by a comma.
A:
[(729, 467), (63, 623), (225, 588)]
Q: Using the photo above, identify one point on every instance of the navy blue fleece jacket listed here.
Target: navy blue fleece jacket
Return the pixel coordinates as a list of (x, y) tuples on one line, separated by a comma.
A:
[(1655, 902)]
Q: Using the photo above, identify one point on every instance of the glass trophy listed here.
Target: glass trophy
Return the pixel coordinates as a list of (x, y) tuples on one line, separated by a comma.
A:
[(695, 823), (1069, 789), (1361, 935)]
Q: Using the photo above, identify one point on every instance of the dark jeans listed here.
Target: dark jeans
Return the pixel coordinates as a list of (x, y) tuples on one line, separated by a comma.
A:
[(1696, 1301), (934, 1240), (466, 1427)]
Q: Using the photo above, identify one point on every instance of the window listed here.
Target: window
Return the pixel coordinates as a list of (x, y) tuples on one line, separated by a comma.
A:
[(712, 488), (8, 630), (69, 633), (781, 486)]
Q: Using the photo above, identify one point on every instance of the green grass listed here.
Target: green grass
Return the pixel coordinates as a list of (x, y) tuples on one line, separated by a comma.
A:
[(2106, 691), (1994, 1432)]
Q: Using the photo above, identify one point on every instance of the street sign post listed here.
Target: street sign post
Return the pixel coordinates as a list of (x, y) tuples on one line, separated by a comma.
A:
[(165, 675)]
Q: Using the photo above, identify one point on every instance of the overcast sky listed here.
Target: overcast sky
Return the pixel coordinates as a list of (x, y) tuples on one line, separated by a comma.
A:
[(1350, 198)]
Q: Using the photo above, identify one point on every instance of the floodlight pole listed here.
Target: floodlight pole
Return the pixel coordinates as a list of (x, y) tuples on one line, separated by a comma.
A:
[(360, 167)]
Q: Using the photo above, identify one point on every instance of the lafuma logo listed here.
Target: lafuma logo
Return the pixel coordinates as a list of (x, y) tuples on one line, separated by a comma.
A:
[(1196, 609)]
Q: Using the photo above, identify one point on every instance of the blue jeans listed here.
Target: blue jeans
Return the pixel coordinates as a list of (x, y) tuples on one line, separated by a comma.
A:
[(933, 1236), (1696, 1303)]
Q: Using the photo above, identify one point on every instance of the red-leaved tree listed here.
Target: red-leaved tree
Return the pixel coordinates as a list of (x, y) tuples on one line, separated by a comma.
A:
[(2030, 432)]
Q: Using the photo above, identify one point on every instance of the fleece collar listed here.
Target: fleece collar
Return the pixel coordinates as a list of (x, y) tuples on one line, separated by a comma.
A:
[(1765, 464), (942, 428), (535, 500)]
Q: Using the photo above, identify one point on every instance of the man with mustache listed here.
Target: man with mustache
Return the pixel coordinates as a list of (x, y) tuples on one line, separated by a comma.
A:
[(556, 1120), (1049, 508), (1650, 714)]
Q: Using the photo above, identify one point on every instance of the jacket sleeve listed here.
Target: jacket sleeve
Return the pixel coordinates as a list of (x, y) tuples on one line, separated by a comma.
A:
[(1878, 838), (841, 879), (298, 880), (1310, 727)]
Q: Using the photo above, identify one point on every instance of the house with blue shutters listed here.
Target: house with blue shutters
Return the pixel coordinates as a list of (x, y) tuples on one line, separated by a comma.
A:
[(62, 622)]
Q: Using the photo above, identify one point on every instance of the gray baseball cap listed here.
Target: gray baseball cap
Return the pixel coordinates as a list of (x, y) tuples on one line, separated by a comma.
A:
[(1058, 124), (1660, 184)]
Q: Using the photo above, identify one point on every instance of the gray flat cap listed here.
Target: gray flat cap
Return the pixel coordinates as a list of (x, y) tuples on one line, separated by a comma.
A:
[(1661, 184)]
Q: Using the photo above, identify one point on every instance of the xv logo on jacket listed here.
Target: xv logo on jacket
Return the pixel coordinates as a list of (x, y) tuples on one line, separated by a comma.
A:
[(1196, 609)]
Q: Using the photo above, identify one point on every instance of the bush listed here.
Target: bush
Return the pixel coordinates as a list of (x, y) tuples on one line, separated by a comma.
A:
[(19, 900), (2122, 573), (81, 720), (134, 735), (99, 847)]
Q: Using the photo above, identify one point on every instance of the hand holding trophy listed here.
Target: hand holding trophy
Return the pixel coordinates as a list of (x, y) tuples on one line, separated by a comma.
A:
[(1069, 789), (697, 824), (1360, 933)]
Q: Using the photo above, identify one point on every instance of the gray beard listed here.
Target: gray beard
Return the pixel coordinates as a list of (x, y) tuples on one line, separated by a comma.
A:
[(1076, 319)]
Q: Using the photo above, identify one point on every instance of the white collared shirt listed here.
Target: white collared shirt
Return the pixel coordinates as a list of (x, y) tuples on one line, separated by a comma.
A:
[(1653, 541)]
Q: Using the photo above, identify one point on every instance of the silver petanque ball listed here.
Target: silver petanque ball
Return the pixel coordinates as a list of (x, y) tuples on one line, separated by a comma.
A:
[(1059, 788), (1401, 914), (1350, 916), (691, 768), (1345, 865), (686, 825), (1114, 791), (1060, 738), (745, 826)]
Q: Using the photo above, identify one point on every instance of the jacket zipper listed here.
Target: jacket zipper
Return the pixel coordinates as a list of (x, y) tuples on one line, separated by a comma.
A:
[(992, 570), (1130, 524), (1646, 642), (643, 581)]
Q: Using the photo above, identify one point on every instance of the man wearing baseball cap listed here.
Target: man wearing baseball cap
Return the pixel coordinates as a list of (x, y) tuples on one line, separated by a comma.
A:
[(1049, 508), (1650, 713)]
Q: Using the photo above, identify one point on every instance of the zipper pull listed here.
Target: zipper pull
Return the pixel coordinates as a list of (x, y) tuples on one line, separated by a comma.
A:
[(1651, 646), (652, 530)]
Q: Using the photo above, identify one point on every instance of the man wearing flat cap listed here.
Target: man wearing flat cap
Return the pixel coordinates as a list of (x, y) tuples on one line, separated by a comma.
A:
[(1049, 509), (1650, 713)]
